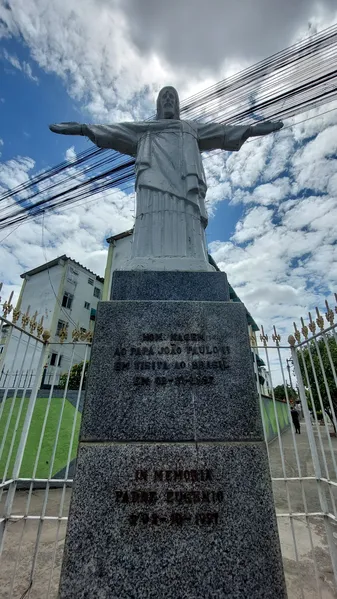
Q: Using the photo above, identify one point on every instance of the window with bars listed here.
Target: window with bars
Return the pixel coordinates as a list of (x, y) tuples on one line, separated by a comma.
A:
[(90, 281), (97, 292), (87, 305)]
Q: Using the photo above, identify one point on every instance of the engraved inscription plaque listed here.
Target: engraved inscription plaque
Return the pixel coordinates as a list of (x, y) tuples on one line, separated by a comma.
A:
[(166, 496), (171, 370)]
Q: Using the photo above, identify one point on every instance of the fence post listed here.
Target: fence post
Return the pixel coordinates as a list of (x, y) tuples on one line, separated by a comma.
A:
[(29, 413), (23, 439)]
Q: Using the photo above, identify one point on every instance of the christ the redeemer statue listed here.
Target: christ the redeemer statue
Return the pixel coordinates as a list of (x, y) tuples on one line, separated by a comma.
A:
[(169, 230)]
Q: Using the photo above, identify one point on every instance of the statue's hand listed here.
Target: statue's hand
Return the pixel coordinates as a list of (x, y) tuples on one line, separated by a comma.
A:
[(266, 127), (67, 128)]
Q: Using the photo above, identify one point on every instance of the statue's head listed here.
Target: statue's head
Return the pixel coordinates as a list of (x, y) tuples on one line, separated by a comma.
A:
[(168, 103)]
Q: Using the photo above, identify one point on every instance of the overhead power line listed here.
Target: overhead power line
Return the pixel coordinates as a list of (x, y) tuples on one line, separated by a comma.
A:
[(295, 80)]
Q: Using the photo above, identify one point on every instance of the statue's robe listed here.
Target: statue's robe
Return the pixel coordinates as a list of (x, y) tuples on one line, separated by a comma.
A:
[(170, 186)]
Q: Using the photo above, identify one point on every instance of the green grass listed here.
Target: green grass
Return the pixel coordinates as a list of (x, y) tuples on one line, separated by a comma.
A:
[(34, 435)]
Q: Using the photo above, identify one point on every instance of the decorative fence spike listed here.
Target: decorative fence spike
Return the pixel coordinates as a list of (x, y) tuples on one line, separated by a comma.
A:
[(76, 334), (297, 334), (263, 337), (39, 328), (319, 319), (276, 337), (329, 315), (63, 334), (304, 329), (25, 318), (16, 315), (312, 324), (7, 305), (33, 324)]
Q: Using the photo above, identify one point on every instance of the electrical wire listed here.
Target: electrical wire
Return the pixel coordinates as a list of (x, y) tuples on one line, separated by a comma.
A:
[(284, 85)]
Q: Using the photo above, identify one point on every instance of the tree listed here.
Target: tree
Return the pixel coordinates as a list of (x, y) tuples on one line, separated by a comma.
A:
[(313, 367), (75, 377), (279, 393)]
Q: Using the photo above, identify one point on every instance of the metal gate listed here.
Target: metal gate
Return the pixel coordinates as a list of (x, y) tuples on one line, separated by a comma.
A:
[(40, 413)]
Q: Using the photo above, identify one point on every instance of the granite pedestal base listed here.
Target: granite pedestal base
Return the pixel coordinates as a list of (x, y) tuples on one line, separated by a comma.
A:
[(172, 492), (173, 520)]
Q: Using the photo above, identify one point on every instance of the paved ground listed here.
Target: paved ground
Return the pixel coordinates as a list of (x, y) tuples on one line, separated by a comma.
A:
[(307, 561), (310, 542)]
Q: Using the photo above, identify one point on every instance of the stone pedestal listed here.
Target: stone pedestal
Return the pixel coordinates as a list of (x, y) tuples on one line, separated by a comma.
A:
[(172, 493)]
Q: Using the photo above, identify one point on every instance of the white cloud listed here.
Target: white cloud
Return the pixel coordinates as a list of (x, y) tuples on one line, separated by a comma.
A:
[(114, 56), (25, 67), (15, 171), (256, 222), (265, 194), (70, 154)]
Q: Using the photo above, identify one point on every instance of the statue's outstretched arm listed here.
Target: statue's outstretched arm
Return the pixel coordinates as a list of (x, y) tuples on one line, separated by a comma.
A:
[(212, 136), (265, 128), (68, 128), (122, 137)]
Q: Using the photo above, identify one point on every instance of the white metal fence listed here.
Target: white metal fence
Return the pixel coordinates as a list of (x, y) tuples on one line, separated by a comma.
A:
[(39, 430)]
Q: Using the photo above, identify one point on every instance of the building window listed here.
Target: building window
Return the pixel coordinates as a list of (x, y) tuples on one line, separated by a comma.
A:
[(53, 360), (61, 325), (87, 305), (67, 300), (97, 292), (92, 314), (90, 281)]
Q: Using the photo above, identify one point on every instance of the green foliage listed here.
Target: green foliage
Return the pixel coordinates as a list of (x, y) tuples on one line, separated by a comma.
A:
[(75, 377), (280, 393), (310, 358)]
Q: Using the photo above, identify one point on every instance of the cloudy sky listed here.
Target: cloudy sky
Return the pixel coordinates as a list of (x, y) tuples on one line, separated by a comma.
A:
[(273, 205)]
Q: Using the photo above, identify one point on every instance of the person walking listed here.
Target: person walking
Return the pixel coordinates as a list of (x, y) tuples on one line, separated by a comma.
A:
[(296, 420)]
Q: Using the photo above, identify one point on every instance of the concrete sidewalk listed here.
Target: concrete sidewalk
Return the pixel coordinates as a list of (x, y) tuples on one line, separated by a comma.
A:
[(305, 536)]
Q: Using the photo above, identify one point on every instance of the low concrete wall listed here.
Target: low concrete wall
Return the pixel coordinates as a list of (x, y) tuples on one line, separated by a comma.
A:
[(269, 416), (71, 395)]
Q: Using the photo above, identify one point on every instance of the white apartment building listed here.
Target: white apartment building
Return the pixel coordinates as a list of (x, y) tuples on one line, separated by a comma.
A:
[(66, 294)]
